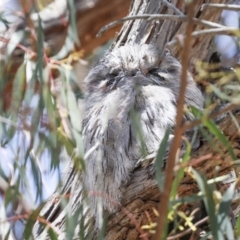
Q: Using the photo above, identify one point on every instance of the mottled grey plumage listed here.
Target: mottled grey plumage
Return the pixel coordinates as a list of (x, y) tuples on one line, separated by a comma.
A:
[(139, 78)]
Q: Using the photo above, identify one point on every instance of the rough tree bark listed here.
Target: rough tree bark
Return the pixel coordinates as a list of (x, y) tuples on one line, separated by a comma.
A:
[(89, 20), (141, 195)]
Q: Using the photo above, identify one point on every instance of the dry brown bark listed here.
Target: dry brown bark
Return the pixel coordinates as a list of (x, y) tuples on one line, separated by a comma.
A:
[(141, 195), (89, 21)]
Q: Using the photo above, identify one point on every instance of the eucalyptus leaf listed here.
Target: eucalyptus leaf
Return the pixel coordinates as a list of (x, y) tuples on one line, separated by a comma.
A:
[(180, 172), (161, 157), (214, 129), (16, 38), (209, 203)]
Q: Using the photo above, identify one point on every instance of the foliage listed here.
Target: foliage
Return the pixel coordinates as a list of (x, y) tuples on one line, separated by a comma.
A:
[(40, 119)]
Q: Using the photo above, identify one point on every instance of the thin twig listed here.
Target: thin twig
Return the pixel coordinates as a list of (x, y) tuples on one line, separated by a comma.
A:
[(226, 30), (222, 30), (218, 6), (8, 122), (189, 125), (163, 205), (171, 6), (207, 23), (151, 17), (189, 230), (2, 39), (193, 162)]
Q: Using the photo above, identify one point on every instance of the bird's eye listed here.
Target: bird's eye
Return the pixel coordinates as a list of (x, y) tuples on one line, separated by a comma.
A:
[(161, 77), (114, 72), (172, 70), (157, 74), (110, 81)]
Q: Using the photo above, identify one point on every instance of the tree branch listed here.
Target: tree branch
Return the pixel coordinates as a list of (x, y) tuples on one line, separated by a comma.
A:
[(163, 205)]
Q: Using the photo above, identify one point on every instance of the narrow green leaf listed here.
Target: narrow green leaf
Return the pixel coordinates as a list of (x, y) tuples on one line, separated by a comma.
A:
[(102, 232), (74, 115), (16, 38), (238, 226), (52, 234), (189, 199), (72, 222), (72, 103), (72, 28), (209, 203), (36, 176), (138, 130), (40, 51), (11, 196), (223, 212), (213, 128), (233, 98), (8, 235), (81, 224), (72, 36), (219, 93), (68, 143), (27, 234), (66, 49), (161, 157), (227, 229), (3, 19), (227, 200), (180, 173), (18, 90), (197, 113)]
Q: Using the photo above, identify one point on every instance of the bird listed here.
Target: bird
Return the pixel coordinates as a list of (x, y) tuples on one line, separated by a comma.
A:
[(131, 82), (130, 101)]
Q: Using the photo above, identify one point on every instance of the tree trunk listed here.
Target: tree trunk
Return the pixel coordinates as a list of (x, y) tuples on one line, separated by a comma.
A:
[(141, 195), (89, 20)]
